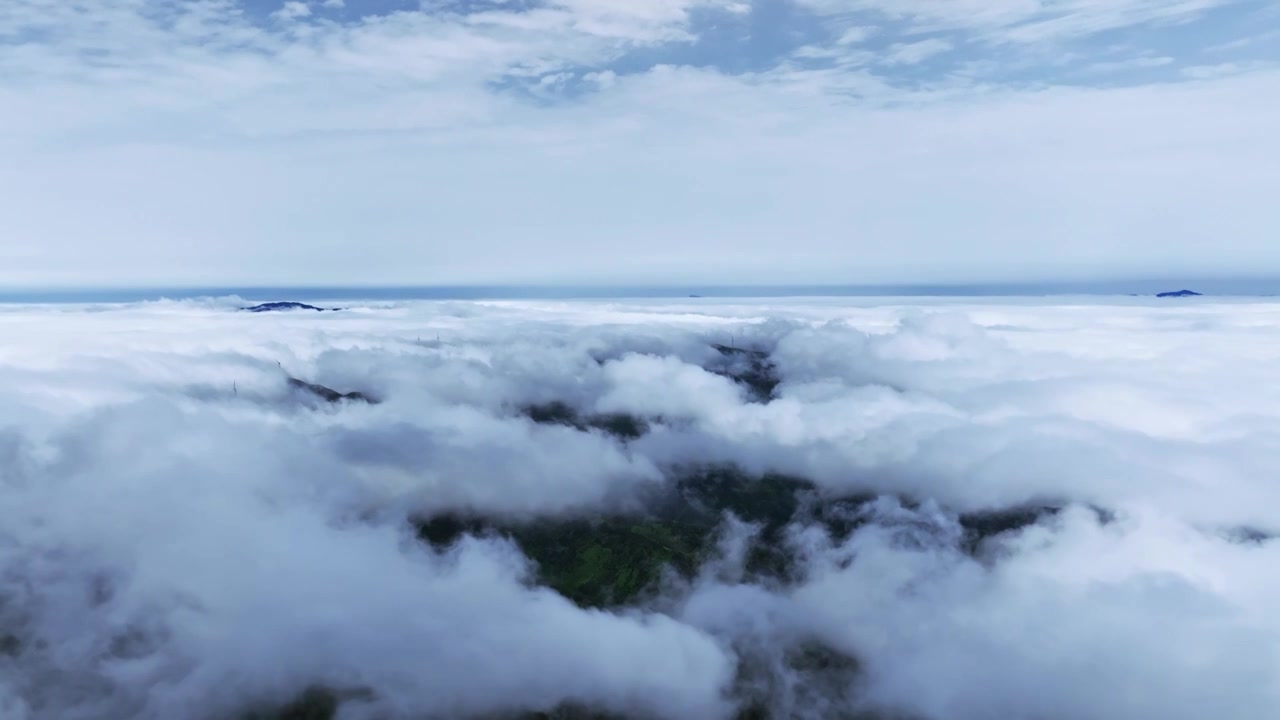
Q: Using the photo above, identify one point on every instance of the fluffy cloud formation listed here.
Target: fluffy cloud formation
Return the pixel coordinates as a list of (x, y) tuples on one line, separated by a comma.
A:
[(293, 10), (184, 535)]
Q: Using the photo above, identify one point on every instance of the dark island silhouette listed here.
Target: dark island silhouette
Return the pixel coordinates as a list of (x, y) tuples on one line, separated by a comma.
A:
[(1179, 294), (283, 307), (329, 394)]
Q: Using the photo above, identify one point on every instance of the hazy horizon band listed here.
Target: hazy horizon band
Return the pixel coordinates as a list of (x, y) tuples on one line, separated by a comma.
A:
[(1218, 287)]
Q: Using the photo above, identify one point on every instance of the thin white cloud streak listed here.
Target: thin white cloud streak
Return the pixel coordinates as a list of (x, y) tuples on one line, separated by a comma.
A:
[(1210, 72), (1130, 64), (178, 545), (1025, 20), (916, 52)]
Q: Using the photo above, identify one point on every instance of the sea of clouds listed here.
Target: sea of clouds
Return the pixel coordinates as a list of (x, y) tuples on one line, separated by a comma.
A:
[(183, 535)]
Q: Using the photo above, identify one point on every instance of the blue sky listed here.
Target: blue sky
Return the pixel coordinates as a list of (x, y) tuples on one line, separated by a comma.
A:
[(587, 141)]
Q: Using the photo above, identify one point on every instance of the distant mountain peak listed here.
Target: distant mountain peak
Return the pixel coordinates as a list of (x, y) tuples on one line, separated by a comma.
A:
[(1179, 293), (283, 306)]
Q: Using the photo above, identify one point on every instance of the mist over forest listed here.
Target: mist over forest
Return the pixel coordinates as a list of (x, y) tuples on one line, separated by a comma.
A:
[(694, 509)]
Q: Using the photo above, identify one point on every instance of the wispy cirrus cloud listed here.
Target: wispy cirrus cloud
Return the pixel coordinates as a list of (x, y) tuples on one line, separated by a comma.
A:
[(915, 52), (1024, 20)]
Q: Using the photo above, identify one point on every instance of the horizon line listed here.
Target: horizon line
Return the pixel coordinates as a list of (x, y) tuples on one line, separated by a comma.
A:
[(1228, 287), (669, 286)]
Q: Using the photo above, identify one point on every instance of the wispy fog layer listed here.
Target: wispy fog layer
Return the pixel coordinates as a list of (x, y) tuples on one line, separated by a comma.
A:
[(186, 534)]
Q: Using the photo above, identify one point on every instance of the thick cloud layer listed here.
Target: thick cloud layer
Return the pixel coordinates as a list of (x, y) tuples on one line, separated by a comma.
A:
[(185, 535)]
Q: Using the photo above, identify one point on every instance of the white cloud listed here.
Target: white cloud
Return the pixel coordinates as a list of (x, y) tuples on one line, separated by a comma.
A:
[(176, 545), (653, 21), (1023, 20), (1079, 621), (1210, 72), (1244, 42), (1131, 64), (856, 35), (916, 52), (293, 10), (179, 531), (194, 149)]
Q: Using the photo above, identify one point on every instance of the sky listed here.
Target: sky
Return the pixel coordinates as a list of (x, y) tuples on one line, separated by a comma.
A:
[(385, 142)]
